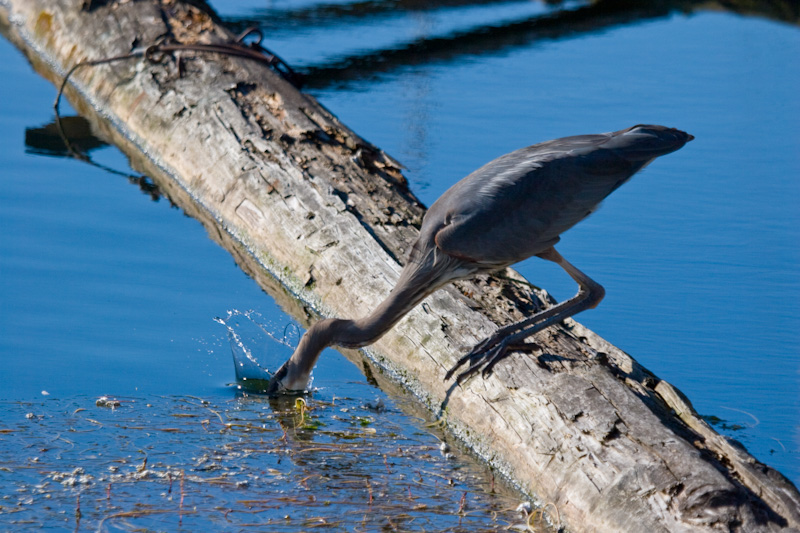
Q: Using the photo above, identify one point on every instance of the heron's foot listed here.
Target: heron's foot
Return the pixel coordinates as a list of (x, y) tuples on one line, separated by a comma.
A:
[(473, 354), (485, 362), (481, 358)]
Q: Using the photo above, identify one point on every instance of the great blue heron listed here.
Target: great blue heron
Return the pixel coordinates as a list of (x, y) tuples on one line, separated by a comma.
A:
[(510, 209)]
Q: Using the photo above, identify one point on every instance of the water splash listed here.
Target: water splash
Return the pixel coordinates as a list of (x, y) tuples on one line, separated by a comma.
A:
[(257, 346)]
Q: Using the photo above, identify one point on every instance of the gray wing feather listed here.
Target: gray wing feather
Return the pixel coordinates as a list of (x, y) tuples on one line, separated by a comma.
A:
[(517, 205)]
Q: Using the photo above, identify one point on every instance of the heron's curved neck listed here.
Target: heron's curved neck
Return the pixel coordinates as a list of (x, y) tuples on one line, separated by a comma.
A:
[(295, 373), (424, 273), (355, 333)]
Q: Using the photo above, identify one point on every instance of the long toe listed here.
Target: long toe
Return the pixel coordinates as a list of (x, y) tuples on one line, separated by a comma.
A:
[(478, 361), (498, 355), (477, 353), (467, 357)]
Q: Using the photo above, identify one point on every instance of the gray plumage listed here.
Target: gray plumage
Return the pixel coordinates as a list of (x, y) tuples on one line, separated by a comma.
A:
[(512, 208)]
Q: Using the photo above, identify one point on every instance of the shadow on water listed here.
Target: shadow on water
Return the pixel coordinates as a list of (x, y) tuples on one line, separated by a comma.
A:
[(72, 137), (336, 14), (484, 39), (49, 139)]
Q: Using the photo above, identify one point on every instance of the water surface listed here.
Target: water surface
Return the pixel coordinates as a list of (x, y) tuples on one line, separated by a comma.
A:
[(106, 291)]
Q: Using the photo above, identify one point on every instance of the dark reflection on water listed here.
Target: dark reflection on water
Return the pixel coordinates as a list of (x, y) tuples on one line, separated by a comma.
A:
[(495, 27), (49, 140), (72, 137)]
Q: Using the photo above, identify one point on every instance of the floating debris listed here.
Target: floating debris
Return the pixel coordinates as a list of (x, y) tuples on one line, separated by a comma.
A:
[(105, 401), (229, 463), (78, 476)]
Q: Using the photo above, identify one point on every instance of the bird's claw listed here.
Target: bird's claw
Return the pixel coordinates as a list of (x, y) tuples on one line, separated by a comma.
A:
[(472, 354), (482, 358)]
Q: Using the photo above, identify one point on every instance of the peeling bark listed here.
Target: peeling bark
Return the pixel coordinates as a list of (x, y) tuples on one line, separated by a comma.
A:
[(299, 198)]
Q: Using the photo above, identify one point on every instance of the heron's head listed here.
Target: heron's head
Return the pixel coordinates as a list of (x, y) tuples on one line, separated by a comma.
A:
[(289, 380), (295, 374)]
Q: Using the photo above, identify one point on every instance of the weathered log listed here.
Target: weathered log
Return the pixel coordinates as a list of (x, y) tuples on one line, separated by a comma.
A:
[(290, 190)]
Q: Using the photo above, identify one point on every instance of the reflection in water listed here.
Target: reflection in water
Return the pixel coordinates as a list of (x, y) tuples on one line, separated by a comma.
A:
[(325, 14), (483, 39), (72, 137), (50, 139)]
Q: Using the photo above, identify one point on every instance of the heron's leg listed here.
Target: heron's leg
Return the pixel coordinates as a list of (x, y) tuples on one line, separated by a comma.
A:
[(489, 352)]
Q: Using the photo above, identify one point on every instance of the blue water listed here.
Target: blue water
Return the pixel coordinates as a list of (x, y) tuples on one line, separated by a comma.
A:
[(104, 290)]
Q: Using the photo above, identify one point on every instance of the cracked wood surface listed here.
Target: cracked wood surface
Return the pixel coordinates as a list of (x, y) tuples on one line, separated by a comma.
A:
[(289, 190)]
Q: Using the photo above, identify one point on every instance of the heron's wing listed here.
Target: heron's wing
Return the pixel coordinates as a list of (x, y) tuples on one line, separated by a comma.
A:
[(518, 205)]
